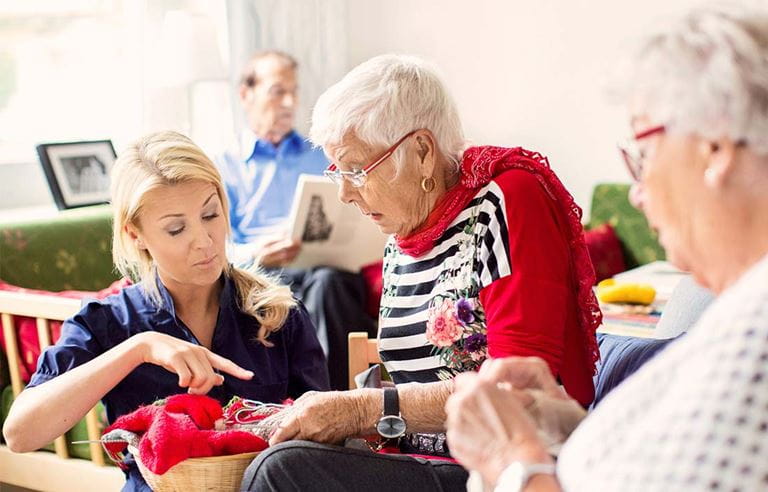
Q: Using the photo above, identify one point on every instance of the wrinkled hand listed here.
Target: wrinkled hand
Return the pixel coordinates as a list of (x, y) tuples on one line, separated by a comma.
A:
[(488, 426), (555, 413), (195, 365), (523, 373), (555, 418), (277, 252), (326, 417)]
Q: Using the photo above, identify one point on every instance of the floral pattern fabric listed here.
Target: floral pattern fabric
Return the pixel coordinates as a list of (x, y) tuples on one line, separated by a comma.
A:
[(69, 250)]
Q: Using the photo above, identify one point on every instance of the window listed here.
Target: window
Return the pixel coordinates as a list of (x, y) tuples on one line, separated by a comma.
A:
[(87, 70), (68, 71)]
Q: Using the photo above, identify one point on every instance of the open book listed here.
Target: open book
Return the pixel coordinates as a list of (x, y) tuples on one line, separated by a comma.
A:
[(332, 233)]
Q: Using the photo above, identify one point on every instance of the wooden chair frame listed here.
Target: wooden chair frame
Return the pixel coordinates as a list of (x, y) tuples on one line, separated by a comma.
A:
[(41, 470), (363, 352)]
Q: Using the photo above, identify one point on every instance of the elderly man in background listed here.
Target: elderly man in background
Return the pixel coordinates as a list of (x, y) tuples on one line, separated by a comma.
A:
[(260, 176), (695, 417)]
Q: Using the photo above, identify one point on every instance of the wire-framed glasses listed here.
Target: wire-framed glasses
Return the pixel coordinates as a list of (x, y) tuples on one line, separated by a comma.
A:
[(358, 176)]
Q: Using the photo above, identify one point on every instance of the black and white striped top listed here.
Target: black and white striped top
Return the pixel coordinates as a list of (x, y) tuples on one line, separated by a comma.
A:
[(472, 253)]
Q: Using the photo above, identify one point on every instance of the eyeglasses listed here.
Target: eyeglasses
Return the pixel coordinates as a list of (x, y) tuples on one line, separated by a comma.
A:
[(358, 176), (633, 155)]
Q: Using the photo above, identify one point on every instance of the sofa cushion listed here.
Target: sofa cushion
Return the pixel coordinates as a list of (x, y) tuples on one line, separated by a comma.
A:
[(605, 251), (372, 274), (610, 205)]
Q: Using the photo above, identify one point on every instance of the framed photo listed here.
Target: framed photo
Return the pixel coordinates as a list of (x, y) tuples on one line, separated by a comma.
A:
[(78, 172)]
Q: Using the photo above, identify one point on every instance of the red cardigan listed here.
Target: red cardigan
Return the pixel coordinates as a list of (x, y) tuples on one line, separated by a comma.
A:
[(534, 311)]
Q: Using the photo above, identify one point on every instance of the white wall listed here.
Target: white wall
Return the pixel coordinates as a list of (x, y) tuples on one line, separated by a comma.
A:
[(523, 73)]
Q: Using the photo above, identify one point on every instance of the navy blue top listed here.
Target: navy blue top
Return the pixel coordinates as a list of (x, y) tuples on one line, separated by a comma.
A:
[(294, 365)]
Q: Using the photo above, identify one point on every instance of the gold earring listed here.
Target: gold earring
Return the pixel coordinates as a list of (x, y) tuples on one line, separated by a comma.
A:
[(428, 184)]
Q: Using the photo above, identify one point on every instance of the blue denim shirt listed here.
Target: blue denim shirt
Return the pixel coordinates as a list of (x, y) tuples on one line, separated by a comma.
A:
[(294, 365), (261, 178)]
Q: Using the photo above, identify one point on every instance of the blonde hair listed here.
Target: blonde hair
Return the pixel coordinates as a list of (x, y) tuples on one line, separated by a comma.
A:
[(165, 159)]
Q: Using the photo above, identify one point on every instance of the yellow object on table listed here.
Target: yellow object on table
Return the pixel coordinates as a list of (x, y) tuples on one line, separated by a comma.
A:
[(625, 292)]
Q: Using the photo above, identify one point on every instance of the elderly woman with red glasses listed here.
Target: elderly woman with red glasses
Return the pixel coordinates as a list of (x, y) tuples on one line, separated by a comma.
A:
[(486, 259), (696, 416)]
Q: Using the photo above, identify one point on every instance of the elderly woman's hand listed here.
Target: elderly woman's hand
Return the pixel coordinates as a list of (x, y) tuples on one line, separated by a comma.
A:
[(555, 413), (523, 373), (327, 417), (489, 428)]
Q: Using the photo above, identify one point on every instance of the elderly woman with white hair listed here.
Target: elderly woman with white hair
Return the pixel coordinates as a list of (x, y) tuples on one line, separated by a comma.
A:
[(696, 417), (486, 258)]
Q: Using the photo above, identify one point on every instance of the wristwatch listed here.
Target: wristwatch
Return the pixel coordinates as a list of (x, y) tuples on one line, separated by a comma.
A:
[(516, 475), (391, 425)]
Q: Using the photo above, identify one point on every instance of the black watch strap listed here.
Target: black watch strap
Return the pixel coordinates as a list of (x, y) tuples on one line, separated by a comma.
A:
[(391, 402)]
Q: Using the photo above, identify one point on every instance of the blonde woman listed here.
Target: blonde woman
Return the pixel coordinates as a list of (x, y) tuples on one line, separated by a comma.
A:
[(192, 322)]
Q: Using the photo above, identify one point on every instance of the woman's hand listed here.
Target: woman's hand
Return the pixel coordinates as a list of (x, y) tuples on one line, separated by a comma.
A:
[(326, 417), (524, 373), (555, 413), (489, 428), (195, 365)]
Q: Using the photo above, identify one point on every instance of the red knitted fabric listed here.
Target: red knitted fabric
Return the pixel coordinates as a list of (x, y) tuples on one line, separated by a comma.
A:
[(179, 429)]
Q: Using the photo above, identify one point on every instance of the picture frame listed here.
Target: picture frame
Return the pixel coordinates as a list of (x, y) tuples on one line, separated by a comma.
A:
[(77, 172)]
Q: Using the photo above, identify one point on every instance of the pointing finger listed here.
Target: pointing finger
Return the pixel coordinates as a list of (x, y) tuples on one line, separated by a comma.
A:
[(228, 366)]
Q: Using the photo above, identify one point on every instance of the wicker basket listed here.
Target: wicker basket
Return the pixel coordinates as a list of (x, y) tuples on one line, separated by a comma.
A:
[(217, 473)]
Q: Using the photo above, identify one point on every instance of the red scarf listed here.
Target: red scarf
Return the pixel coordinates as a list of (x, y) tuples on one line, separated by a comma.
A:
[(478, 167)]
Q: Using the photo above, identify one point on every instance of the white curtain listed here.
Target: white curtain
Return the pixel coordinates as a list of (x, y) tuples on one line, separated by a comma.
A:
[(313, 31)]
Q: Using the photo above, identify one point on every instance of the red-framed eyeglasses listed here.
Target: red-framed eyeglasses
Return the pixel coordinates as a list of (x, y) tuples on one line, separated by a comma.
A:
[(633, 155), (358, 176)]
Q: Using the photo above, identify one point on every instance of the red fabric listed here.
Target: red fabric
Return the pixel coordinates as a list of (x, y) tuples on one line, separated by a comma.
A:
[(605, 251), (532, 312), (181, 428), (396, 450), (26, 327), (374, 284), (478, 167)]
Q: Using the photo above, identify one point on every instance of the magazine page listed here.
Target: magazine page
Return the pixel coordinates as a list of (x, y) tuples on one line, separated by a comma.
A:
[(332, 233)]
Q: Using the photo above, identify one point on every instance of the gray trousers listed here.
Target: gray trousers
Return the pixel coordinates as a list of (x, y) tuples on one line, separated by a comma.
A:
[(308, 466)]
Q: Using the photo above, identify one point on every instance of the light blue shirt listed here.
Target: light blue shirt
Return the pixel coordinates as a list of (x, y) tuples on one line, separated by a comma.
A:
[(261, 178)]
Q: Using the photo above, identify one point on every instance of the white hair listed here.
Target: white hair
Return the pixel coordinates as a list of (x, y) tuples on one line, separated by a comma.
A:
[(384, 98), (706, 74)]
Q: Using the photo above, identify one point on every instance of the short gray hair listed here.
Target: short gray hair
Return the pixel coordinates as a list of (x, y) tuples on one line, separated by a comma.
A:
[(384, 98), (248, 72), (706, 74)]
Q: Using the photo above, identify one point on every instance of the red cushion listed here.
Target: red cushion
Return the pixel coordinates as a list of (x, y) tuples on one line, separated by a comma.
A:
[(26, 327), (372, 274), (605, 250)]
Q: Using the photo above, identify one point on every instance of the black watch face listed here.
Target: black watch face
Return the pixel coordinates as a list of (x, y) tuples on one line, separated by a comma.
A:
[(391, 426)]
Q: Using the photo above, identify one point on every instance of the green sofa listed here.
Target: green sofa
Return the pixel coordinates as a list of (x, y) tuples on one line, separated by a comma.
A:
[(66, 250)]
